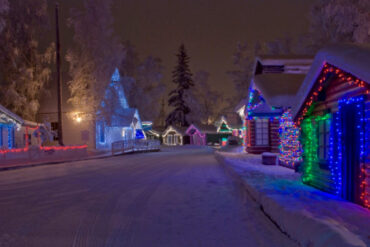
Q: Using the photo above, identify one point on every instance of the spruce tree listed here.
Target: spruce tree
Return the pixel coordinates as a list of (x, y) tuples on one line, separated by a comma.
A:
[(182, 77)]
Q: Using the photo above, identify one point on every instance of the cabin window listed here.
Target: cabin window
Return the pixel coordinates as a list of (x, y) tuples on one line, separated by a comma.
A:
[(262, 132), (323, 134)]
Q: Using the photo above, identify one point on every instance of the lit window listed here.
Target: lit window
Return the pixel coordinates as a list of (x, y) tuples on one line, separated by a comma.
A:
[(262, 132), (323, 133)]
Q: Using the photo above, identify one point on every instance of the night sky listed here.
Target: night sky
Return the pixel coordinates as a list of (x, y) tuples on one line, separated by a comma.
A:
[(210, 29)]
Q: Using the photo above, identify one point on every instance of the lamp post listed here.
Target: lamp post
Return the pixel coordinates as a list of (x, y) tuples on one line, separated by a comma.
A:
[(59, 86)]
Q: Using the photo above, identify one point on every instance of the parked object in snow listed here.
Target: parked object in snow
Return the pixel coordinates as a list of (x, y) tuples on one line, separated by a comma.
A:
[(269, 158)]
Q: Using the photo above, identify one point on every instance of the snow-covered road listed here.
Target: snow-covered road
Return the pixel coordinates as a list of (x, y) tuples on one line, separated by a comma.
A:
[(177, 197)]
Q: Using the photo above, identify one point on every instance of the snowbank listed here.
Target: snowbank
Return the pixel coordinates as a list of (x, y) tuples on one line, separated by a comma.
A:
[(307, 215)]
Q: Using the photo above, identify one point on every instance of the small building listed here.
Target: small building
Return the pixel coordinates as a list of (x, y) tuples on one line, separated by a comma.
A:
[(9, 124), (150, 132), (174, 136), (333, 112), (273, 90), (116, 121), (202, 134), (18, 135)]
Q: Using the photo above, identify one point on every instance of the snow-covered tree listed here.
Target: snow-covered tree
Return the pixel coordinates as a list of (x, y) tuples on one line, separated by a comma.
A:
[(182, 77), (334, 21), (94, 56), (143, 82), (203, 101), (149, 88), (24, 66), (243, 61)]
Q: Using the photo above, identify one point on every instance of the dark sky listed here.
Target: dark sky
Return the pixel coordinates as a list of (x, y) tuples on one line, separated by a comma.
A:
[(210, 29)]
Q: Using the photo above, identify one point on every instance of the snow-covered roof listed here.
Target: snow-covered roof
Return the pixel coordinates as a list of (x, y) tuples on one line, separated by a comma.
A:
[(123, 117), (290, 64), (354, 59), (9, 116), (264, 108), (179, 130), (241, 104), (32, 124), (284, 59), (203, 128), (279, 90)]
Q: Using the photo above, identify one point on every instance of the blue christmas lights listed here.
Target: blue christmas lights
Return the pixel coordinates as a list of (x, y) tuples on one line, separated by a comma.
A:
[(336, 145)]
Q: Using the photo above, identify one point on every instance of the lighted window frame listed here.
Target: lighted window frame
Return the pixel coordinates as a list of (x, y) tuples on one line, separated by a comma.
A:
[(323, 134), (262, 131)]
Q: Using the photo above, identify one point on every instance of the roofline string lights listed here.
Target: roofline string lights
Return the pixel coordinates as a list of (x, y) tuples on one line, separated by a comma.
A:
[(328, 69)]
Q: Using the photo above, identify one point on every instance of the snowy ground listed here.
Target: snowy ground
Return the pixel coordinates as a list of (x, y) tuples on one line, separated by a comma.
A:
[(177, 197), (308, 215)]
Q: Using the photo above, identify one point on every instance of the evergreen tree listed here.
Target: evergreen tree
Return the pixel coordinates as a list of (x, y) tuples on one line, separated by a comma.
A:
[(182, 77)]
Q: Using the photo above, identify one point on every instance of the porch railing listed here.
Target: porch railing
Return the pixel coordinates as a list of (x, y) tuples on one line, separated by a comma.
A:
[(129, 146)]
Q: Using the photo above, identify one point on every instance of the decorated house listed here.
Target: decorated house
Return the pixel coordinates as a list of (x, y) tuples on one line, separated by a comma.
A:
[(202, 134), (174, 136), (333, 112), (18, 135), (272, 92), (116, 121), (9, 124), (225, 130)]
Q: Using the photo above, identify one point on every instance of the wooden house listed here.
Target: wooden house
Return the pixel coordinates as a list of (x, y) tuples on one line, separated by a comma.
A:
[(333, 112), (202, 134), (174, 136), (17, 134), (273, 90), (9, 124)]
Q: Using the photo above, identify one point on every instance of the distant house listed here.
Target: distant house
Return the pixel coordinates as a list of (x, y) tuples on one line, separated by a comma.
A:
[(150, 132), (18, 134), (202, 134), (174, 136), (116, 121), (333, 112), (9, 124), (273, 90)]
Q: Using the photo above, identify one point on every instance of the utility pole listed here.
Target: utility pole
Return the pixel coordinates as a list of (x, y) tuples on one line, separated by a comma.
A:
[(59, 86)]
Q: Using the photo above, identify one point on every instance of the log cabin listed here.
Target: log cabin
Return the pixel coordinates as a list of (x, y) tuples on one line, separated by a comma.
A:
[(333, 112)]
